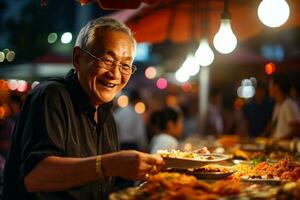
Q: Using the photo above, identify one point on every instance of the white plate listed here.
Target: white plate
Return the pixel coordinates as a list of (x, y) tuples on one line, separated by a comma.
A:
[(185, 163), (211, 175)]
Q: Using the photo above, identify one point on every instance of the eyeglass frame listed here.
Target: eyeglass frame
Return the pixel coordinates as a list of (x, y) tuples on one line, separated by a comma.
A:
[(113, 62)]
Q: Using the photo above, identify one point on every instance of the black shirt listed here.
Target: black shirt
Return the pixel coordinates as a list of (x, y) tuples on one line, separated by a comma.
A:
[(58, 120)]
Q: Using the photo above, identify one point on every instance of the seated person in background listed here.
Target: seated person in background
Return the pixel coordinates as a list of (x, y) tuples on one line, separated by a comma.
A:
[(131, 126), (286, 111), (215, 122), (168, 123), (258, 112)]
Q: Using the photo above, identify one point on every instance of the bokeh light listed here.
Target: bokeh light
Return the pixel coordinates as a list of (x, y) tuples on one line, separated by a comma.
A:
[(66, 38), (10, 56), (140, 107), (186, 87), (270, 68), (238, 103), (52, 37), (123, 101), (150, 72), (2, 56), (22, 86), (162, 83), (12, 84)]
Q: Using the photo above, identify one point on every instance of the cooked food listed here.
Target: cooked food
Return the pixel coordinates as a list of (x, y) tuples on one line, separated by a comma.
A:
[(187, 155), (167, 186), (242, 170), (287, 169), (212, 169), (180, 186)]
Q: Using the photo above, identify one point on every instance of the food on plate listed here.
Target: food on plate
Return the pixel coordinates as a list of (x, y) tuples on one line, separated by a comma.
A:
[(212, 169), (206, 172), (287, 169), (163, 186), (190, 155), (242, 170)]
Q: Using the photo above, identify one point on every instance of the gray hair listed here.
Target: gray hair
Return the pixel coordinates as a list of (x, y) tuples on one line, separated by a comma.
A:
[(102, 24)]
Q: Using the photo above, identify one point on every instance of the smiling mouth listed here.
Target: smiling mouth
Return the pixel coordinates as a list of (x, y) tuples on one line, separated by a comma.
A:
[(107, 84)]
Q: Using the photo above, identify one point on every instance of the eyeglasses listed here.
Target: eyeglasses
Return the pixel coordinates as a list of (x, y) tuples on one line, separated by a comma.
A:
[(108, 64)]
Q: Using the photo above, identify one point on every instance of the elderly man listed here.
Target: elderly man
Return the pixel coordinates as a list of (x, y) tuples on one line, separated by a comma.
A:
[(65, 142)]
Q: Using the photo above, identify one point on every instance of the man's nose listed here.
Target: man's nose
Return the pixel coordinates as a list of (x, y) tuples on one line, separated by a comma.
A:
[(115, 70)]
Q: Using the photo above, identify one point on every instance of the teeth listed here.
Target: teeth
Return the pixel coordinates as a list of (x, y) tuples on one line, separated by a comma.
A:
[(108, 84)]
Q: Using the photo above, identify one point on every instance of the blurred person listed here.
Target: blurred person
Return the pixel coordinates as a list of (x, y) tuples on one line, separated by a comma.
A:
[(7, 124), (295, 91), (65, 143), (286, 111), (168, 123), (190, 119), (132, 132), (215, 122), (131, 126), (295, 95), (258, 111)]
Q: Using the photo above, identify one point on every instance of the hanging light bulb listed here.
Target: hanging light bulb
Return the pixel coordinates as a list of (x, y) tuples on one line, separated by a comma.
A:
[(190, 65), (225, 40), (204, 55), (273, 13)]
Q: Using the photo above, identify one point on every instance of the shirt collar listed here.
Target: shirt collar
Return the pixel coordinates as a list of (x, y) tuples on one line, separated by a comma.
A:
[(80, 98)]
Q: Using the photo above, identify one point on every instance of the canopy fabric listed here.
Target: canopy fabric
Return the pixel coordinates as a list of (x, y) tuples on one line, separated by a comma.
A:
[(180, 20), (120, 4), (114, 4)]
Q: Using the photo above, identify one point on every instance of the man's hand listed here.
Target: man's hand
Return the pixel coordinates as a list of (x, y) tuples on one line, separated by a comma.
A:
[(131, 165), (202, 150)]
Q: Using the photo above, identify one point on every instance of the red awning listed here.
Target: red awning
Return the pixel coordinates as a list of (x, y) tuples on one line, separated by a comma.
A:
[(115, 4)]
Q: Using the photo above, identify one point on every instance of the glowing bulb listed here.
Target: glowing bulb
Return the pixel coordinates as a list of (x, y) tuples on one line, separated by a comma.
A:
[(224, 40), (181, 75), (190, 65), (273, 13), (204, 55)]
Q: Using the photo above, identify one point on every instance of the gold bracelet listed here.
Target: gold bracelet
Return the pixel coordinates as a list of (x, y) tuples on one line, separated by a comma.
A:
[(99, 168)]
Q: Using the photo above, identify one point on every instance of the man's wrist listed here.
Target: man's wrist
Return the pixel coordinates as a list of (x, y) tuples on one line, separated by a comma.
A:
[(99, 169)]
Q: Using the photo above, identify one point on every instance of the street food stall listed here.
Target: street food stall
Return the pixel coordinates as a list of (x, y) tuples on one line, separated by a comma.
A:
[(260, 169)]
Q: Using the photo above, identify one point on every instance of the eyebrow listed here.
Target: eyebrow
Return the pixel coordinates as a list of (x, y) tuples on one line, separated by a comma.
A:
[(109, 52)]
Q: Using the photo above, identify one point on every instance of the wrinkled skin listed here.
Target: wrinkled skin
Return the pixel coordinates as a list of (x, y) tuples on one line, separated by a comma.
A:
[(94, 79)]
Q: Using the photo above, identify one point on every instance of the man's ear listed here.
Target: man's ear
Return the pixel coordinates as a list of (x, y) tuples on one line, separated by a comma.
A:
[(76, 58)]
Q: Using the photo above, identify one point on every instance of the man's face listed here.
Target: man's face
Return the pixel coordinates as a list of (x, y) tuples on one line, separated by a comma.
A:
[(102, 85)]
